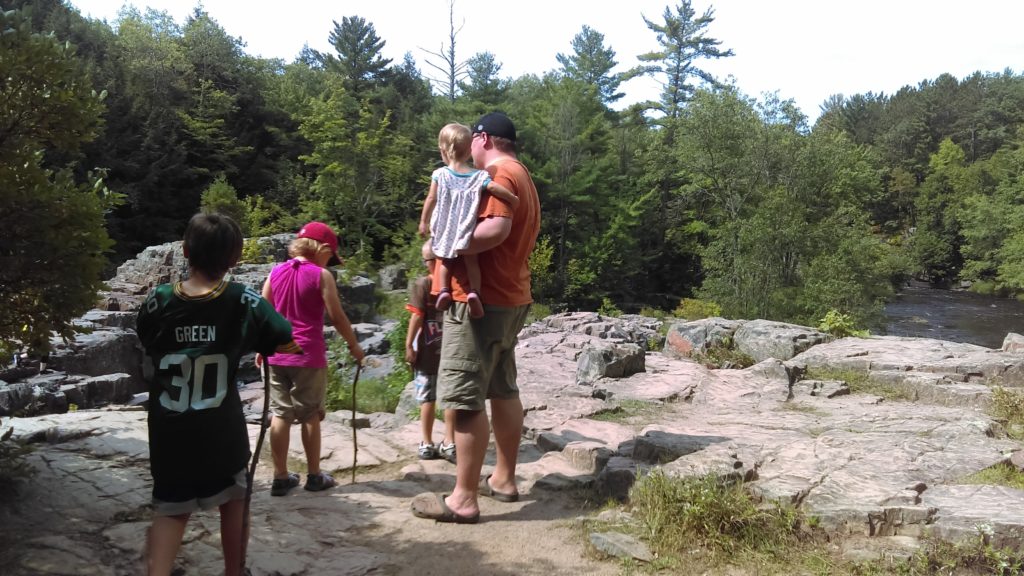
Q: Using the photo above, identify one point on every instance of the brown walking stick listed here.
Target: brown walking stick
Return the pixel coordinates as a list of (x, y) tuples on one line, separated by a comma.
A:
[(355, 444), (255, 459)]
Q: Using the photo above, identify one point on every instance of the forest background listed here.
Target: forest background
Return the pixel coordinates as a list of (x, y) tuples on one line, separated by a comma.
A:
[(113, 135)]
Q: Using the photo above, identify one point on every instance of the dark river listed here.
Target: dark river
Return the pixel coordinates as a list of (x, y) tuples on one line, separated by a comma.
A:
[(955, 315)]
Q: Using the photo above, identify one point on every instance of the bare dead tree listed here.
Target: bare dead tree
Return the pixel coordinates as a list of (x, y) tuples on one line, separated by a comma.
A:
[(453, 71)]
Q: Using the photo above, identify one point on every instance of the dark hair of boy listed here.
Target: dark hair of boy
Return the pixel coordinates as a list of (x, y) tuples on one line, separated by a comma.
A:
[(212, 243)]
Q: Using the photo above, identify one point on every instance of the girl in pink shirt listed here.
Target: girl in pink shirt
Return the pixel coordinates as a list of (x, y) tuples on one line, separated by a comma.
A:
[(301, 289)]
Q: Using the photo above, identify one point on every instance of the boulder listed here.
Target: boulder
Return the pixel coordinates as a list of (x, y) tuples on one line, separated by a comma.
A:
[(358, 298), (394, 277), (685, 339), (1013, 343), (639, 330), (609, 360), (763, 339), (107, 351)]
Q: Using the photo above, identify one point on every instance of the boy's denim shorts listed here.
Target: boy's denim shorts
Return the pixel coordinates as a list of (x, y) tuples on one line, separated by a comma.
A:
[(426, 387)]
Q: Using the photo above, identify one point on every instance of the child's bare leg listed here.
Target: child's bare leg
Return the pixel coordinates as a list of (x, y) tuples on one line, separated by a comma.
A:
[(280, 438), (476, 305), (311, 443), (449, 426), (232, 540), (164, 541), (444, 298), (427, 422)]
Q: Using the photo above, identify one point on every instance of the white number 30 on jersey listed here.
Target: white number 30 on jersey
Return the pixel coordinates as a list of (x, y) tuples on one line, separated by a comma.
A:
[(194, 398)]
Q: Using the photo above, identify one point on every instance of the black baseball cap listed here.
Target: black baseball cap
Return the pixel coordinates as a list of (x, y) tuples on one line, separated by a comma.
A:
[(496, 124)]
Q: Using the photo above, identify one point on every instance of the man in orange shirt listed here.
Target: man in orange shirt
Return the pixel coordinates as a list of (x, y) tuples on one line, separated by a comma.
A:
[(478, 355)]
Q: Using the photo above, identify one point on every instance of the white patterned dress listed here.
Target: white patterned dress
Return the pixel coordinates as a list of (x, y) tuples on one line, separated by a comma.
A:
[(455, 214)]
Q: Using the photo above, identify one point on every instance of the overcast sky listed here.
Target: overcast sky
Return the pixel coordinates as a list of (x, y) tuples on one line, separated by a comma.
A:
[(806, 50)]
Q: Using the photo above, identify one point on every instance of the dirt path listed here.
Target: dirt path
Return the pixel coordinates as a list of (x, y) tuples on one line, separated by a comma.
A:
[(85, 512), (535, 535)]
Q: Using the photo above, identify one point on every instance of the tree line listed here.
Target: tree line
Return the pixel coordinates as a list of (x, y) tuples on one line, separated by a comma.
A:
[(112, 135)]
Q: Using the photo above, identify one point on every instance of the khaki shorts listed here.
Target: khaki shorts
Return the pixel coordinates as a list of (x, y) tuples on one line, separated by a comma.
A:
[(297, 393), (478, 357)]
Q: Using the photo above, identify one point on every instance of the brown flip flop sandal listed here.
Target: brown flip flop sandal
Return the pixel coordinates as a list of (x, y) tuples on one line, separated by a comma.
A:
[(486, 490), (433, 507)]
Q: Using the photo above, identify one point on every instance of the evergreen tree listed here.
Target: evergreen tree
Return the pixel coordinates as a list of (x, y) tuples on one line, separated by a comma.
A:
[(482, 85), (54, 243), (683, 43), (591, 63), (358, 60)]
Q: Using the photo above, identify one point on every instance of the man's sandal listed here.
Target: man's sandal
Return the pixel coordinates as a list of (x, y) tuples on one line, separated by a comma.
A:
[(433, 507), (486, 490)]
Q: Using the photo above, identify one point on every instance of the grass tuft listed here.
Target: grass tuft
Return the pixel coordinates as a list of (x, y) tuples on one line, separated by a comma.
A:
[(860, 382), (1008, 407), (722, 518), (1001, 474)]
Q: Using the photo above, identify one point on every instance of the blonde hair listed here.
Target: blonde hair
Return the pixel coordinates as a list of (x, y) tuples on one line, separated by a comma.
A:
[(454, 142), (305, 247)]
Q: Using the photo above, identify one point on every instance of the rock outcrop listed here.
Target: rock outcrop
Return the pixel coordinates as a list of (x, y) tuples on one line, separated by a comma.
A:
[(600, 409)]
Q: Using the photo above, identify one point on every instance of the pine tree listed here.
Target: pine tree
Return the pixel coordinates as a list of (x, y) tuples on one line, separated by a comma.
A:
[(53, 243)]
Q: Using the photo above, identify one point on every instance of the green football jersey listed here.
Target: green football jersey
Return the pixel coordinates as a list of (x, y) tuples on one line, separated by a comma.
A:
[(196, 423)]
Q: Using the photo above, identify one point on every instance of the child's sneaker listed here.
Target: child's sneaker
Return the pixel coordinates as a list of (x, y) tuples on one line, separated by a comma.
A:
[(427, 451), (318, 482), (448, 452)]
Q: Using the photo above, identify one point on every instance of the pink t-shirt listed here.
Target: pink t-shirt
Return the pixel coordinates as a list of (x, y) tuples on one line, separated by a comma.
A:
[(295, 293)]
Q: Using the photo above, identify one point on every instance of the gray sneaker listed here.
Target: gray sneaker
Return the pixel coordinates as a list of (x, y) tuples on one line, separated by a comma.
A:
[(427, 451), (447, 452)]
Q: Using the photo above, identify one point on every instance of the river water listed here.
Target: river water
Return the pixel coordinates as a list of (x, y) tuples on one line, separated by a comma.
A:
[(954, 315)]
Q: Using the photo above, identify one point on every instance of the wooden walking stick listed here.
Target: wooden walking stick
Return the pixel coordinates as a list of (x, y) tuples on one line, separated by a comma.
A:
[(355, 444), (265, 370)]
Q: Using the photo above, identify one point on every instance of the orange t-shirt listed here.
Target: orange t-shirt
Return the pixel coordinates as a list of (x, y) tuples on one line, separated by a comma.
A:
[(504, 269)]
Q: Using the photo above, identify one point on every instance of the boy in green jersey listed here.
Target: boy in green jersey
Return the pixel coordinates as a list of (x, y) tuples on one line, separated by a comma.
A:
[(195, 332)]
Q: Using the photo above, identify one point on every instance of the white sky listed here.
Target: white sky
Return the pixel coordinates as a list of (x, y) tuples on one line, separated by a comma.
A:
[(806, 50)]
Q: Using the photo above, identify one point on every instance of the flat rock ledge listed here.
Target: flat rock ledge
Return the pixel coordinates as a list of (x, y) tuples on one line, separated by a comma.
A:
[(868, 468)]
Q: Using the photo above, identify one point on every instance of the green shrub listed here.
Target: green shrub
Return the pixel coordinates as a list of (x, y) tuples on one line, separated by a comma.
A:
[(840, 325), (542, 275), (537, 312), (692, 309), (221, 197), (608, 308), (372, 394), (252, 252), (391, 305), (653, 313)]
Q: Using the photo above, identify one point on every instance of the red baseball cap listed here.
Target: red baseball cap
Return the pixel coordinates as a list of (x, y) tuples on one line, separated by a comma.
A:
[(322, 233)]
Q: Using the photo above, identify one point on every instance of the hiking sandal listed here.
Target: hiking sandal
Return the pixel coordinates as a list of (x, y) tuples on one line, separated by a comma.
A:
[(281, 486), (318, 482)]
